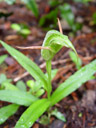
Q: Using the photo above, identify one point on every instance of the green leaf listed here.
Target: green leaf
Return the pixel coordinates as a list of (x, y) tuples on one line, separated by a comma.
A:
[(35, 86), (9, 86), (25, 32), (32, 113), (15, 27), (58, 115), (31, 4), (22, 29), (74, 82), (74, 59), (53, 3), (45, 120), (67, 14), (7, 111), (21, 85), (51, 17), (55, 41), (17, 97), (35, 89), (2, 78), (80, 115), (26, 63), (2, 58), (30, 84), (39, 92), (92, 77), (94, 17)]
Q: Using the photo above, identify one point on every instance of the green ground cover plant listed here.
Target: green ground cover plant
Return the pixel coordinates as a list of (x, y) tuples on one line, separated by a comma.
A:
[(21, 29), (53, 42), (64, 11)]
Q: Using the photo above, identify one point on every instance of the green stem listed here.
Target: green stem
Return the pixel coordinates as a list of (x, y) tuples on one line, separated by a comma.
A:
[(48, 68)]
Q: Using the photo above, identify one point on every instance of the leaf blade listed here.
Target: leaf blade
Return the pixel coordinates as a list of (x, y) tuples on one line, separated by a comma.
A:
[(31, 4), (32, 113), (74, 82), (17, 97), (58, 115), (26, 63), (7, 111)]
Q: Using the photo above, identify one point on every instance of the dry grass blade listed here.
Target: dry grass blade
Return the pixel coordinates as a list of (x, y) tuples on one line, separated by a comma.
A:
[(60, 27)]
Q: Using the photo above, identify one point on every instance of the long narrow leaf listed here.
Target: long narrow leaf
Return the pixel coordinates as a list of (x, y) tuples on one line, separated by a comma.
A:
[(7, 111), (32, 113), (31, 4), (17, 97), (74, 82), (26, 63)]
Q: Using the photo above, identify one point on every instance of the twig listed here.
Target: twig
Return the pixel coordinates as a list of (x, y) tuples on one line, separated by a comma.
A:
[(33, 47), (21, 76)]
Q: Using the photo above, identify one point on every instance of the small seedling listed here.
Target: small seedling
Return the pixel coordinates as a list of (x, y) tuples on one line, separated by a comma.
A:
[(54, 41), (45, 120), (21, 29), (80, 115)]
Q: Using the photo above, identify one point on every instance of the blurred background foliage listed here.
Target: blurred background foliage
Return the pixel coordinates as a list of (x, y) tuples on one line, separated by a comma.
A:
[(62, 9)]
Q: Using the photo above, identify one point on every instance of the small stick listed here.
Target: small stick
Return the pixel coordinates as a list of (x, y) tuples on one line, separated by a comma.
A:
[(60, 27), (33, 47)]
